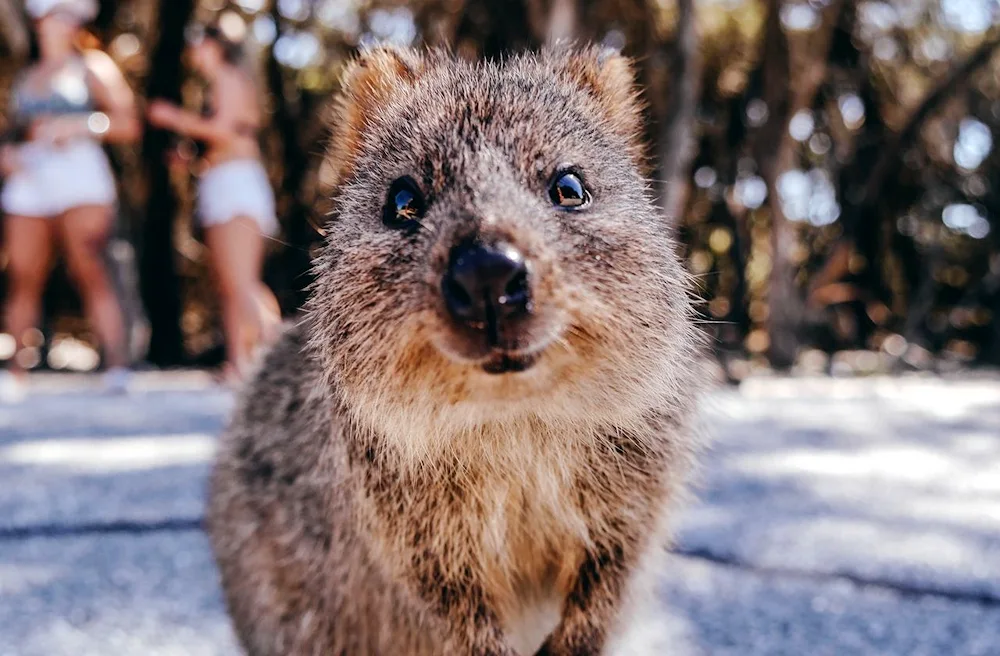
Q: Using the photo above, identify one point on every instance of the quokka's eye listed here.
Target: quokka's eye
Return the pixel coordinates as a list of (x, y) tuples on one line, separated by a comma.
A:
[(404, 205), (568, 191)]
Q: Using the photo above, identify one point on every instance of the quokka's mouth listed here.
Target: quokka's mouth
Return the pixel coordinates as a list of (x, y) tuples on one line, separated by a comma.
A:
[(514, 354), (505, 362)]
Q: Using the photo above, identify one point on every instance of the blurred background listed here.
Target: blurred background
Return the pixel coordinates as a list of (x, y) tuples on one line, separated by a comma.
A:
[(831, 164), (832, 170)]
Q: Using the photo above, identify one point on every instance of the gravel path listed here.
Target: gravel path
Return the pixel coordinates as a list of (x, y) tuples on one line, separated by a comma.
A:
[(855, 517)]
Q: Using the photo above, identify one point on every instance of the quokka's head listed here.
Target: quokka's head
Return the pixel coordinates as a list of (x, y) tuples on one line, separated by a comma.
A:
[(493, 252)]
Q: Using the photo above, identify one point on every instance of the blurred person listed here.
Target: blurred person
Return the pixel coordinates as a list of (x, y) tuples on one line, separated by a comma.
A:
[(235, 203), (58, 185)]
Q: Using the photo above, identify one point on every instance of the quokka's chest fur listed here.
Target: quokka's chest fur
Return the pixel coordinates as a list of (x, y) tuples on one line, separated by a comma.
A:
[(517, 520)]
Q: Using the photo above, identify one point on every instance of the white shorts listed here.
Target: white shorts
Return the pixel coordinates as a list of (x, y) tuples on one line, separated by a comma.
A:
[(237, 188), (53, 179)]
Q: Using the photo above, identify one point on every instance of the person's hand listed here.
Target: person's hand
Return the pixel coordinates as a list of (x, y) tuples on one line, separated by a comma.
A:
[(163, 114), (10, 161), (174, 159)]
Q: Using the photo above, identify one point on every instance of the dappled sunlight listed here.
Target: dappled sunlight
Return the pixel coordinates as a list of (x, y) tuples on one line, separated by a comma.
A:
[(981, 514), (970, 16), (944, 399), (70, 407), (877, 549), (737, 612), (111, 455), (21, 579), (77, 458), (809, 480), (889, 478), (150, 594), (652, 631), (900, 463)]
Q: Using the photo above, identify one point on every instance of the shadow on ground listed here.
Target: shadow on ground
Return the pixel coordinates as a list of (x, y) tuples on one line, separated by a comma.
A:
[(836, 517)]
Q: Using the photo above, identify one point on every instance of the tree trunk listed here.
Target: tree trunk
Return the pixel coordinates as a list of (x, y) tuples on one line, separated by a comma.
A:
[(290, 275), (774, 150), (494, 27), (108, 9), (785, 305), (160, 283), (991, 286), (678, 140)]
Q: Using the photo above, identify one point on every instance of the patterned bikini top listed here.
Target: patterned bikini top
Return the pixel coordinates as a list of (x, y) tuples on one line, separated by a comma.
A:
[(65, 92)]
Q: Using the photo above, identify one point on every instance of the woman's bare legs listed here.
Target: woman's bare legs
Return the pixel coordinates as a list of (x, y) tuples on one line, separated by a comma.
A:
[(84, 231), (29, 244), (269, 312), (236, 256)]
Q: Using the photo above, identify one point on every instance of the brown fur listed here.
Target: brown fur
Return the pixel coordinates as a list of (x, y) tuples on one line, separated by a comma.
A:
[(377, 491)]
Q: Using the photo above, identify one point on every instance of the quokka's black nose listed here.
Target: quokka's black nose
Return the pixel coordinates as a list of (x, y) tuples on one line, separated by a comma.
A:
[(485, 286)]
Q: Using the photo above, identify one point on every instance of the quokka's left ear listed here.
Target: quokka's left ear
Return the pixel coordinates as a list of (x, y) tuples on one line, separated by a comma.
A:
[(609, 78)]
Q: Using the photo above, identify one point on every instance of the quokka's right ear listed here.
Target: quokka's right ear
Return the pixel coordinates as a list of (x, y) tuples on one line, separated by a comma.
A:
[(370, 81)]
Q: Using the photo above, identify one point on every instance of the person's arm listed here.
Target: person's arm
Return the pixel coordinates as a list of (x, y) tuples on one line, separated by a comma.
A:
[(9, 160), (115, 97), (217, 130)]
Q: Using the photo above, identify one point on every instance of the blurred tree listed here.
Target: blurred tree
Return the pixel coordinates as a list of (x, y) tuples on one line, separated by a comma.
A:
[(160, 283), (677, 142)]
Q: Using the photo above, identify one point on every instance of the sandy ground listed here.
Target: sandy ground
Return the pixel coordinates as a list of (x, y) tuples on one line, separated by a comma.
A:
[(847, 517)]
